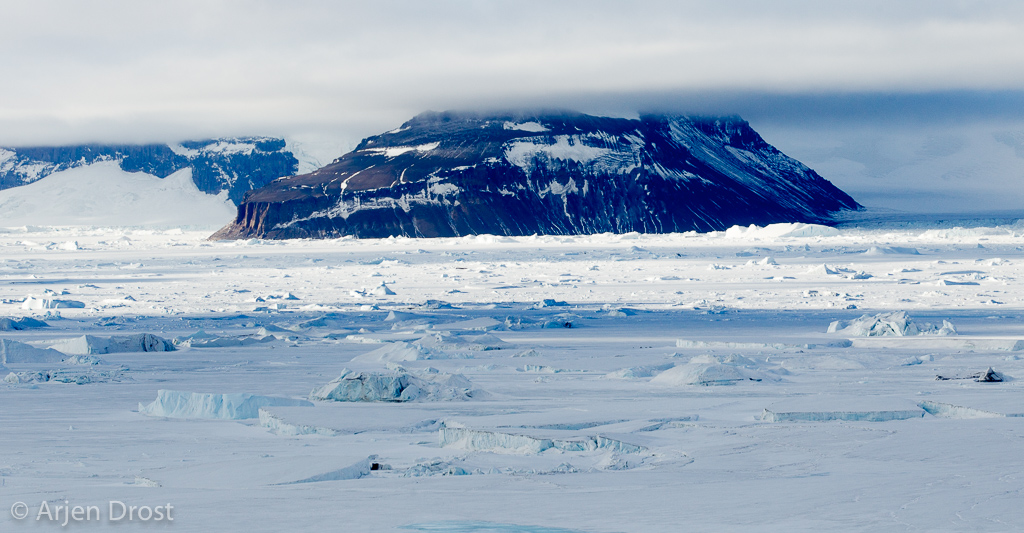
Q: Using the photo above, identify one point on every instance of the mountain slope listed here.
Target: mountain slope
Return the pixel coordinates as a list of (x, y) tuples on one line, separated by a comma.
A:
[(235, 165), (102, 194), (448, 174)]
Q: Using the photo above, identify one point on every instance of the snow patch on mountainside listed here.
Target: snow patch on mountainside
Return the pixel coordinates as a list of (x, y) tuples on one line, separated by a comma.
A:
[(522, 153), (103, 194), (533, 127), (395, 151)]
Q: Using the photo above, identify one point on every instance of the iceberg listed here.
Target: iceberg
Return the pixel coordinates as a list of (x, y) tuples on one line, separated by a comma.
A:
[(896, 324), (180, 404), (395, 386), (13, 352), (91, 345)]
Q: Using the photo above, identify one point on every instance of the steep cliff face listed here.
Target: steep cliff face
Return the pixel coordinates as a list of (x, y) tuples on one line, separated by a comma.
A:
[(235, 165), (447, 174)]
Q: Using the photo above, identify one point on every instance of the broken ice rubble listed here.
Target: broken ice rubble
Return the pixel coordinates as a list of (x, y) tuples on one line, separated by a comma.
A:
[(850, 416), (896, 324), (201, 339), (400, 351), (713, 370), (493, 441), (20, 324), (37, 304)]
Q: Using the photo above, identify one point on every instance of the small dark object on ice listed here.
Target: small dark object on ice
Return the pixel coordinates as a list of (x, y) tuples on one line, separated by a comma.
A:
[(988, 376)]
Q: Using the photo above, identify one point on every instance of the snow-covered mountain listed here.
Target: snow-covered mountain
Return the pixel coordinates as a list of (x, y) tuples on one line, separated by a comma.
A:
[(451, 174), (234, 165), (102, 194)]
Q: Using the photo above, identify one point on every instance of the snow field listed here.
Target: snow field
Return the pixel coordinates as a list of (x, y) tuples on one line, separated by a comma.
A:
[(649, 407)]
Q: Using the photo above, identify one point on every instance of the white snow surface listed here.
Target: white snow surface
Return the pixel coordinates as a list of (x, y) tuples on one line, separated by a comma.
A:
[(666, 332), (102, 194)]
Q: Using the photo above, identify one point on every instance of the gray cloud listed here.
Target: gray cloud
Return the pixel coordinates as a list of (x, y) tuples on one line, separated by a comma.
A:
[(131, 71)]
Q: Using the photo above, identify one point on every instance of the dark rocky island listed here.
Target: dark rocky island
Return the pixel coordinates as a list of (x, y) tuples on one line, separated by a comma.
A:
[(452, 174)]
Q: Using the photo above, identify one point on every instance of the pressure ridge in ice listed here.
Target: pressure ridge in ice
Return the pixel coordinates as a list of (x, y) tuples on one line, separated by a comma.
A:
[(714, 370), (202, 339), (398, 352), (32, 303), (849, 416), (780, 231), (500, 442), (448, 341), (21, 324), (354, 471), (395, 386), (896, 324), (179, 404), (642, 371)]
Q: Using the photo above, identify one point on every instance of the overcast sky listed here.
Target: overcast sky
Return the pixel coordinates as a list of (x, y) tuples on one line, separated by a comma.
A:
[(135, 71), (127, 70)]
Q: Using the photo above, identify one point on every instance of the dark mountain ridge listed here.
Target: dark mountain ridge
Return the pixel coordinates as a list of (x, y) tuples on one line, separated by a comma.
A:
[(236, 165), (452, 174)]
